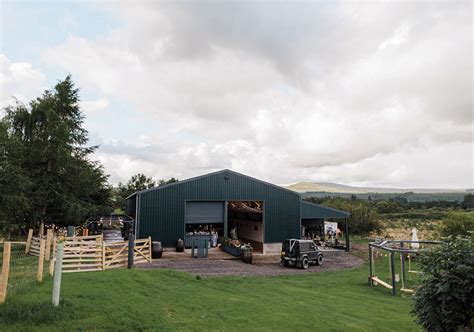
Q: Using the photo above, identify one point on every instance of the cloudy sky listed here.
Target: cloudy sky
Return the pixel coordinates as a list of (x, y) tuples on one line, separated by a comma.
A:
[(361, 93)]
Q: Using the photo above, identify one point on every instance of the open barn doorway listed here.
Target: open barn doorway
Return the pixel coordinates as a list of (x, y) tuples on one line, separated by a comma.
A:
[(245, 221)]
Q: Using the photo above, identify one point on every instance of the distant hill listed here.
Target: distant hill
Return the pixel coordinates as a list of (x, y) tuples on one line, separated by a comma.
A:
[(330, 187)]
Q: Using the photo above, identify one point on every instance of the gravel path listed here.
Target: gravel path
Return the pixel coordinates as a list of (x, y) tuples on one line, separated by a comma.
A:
[(262, 267)]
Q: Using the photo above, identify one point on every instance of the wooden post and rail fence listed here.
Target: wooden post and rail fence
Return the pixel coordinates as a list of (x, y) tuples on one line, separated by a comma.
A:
[(79, 254)]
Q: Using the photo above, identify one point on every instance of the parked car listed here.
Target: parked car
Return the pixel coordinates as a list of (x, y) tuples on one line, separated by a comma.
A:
[(300, 253)]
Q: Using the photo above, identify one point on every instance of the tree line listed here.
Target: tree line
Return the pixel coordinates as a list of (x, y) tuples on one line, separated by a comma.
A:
[(369, 216), (46, 171), (363, 219)]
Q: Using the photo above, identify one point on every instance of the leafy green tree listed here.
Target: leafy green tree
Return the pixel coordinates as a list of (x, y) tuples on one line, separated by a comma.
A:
[(162, 182), (66, 186), (363, 219), (387, 207), (139, 182), (443, 302), (458, 224), (468, 201), (14, 183), (136, 183)]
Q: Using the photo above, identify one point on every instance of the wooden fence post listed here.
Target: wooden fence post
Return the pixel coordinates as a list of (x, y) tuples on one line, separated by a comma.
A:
[(53, 257), (41, 230), (5, 271), (103, 255), (149, 248), (28, 241), (49, 237), (39, 275), (57, 275)]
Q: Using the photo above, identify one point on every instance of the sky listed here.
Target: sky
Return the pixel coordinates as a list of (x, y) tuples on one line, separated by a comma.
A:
[(357, 92)]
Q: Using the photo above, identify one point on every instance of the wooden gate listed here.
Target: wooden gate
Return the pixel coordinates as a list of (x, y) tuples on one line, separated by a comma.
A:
[(82, 255), (116, 253), (142, 251), (91, 253)]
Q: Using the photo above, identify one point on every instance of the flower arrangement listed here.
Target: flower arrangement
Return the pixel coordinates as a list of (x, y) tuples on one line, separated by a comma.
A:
[(225, 241), (233, 247)]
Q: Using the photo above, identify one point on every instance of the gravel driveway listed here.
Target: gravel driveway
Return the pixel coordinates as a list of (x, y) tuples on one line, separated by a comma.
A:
[(263, 266)]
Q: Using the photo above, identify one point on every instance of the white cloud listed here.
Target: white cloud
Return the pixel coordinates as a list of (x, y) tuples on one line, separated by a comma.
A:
[(18, 80), (93, 106), (288, 91), (399, 37)]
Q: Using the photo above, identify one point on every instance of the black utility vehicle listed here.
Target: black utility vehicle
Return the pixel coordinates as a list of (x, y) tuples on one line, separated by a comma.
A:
[(300, 253)]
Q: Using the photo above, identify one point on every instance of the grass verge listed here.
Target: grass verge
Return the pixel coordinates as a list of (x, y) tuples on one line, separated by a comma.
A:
[(125, 300)]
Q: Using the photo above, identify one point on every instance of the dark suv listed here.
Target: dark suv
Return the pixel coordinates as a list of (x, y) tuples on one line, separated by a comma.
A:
[(300, 253)]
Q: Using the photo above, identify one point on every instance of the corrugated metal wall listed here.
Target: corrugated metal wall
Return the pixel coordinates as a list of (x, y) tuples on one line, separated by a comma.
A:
[(161, 211), (131, 206), (315, 211)]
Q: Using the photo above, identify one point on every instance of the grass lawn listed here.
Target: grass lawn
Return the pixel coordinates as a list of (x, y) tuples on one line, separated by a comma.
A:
[(169, 300)]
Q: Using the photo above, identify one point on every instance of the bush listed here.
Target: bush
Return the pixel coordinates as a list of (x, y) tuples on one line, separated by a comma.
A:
[(458, 224), (443, 302)]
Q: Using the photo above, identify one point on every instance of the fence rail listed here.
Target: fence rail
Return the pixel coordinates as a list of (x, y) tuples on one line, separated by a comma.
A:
[(35, 246)]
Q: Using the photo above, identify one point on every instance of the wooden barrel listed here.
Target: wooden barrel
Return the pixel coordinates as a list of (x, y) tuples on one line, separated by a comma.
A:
[(179, 245), (157, 249), (112, 235), (246, 255)]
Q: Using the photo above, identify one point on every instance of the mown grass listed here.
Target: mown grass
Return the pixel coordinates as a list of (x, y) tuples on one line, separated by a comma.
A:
[(130, 300)]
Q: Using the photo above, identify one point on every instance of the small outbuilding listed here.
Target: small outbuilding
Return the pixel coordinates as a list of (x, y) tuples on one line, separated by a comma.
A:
[(225, 203)]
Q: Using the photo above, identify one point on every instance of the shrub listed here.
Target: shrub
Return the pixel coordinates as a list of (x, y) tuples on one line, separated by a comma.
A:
[(443, 302), (458, 224)]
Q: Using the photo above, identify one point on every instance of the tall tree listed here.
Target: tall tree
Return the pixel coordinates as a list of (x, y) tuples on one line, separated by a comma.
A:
[(66, 185), (162, 182), (14, 182), (137, 182)]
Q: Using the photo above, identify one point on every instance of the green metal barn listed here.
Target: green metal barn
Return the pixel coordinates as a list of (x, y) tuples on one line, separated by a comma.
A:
[(223, 202)]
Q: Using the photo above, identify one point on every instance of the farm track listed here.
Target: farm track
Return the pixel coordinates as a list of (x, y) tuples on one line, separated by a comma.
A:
[(263, 266)]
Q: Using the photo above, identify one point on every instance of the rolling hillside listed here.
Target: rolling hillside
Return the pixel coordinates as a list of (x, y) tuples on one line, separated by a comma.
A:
[(331, 187)]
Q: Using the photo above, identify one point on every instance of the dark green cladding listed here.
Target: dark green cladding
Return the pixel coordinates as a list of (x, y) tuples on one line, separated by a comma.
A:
[(161, 210), (315, 211), (131, 207)]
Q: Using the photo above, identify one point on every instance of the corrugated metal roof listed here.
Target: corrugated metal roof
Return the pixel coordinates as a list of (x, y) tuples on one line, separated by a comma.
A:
[(316, 211), (211, 174)]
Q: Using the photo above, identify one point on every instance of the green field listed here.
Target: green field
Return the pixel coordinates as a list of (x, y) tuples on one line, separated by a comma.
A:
[(169, 300)]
